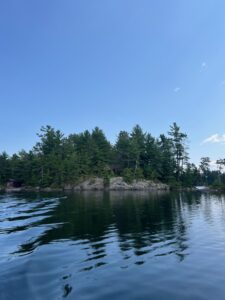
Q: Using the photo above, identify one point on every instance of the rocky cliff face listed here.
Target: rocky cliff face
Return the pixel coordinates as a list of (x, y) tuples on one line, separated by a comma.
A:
[(92, 184), (98, 184), (116, 184)]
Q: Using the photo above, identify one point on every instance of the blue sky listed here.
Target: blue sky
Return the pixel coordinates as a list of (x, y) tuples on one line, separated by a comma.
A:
[(113, 63)]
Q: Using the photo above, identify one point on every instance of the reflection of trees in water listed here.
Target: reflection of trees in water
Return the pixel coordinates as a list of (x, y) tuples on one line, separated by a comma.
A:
[(140, 222), (84, 217), (208, 206), (213, 208), (153, 223), (136, 226)]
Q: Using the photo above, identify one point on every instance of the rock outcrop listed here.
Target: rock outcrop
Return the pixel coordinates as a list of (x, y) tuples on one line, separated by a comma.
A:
[(116, 184), (92, 184), (99, 184)]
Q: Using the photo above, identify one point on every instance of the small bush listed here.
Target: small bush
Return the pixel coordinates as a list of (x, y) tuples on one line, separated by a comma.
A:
[(139, 173), (128, 175)]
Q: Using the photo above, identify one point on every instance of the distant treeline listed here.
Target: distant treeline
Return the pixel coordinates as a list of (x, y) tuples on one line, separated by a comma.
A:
[(57, 160)]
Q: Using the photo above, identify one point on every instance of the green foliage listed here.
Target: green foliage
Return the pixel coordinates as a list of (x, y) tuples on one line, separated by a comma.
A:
[(128, 175), (4, 168), (218, 186), (56, 160), (150, 173), (137, 147), (178, 140), (167, 165), (174, 185), (139, 174), (122, 151)]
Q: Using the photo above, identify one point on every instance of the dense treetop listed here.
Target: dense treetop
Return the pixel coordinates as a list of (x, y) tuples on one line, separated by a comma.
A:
[(56, 160)]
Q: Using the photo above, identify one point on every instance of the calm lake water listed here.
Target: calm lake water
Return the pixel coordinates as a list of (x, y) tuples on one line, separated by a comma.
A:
[(114, 245)]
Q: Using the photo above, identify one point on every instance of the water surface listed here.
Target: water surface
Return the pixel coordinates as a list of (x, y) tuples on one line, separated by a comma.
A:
[(117, 245)]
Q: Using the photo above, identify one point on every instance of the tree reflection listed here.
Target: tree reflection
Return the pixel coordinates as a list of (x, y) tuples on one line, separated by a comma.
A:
[(140, 223)]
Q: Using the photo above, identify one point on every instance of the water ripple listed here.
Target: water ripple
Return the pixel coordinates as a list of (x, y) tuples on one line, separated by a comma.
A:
[(112, 246)]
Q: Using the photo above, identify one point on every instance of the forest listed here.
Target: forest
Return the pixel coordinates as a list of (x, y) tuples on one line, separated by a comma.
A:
[(57, 160)]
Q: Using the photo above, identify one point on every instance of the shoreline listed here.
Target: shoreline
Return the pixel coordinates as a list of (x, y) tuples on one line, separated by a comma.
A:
[(113, 184), (98, 184), (54, 190)]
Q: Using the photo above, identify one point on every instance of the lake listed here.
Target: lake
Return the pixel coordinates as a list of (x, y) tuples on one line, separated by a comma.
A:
[(115, 245)]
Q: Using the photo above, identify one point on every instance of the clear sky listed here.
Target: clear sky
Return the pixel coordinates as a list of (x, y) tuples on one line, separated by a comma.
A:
[(75, 64)]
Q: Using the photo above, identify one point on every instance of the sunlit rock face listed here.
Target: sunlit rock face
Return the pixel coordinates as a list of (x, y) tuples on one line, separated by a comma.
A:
[(116, 184), (90, 184)]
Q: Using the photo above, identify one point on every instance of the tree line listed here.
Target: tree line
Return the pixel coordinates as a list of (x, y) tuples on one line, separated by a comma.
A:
[(57, 160)]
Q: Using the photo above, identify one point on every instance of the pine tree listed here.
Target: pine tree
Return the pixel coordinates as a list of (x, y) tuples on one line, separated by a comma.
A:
[(179, 148)]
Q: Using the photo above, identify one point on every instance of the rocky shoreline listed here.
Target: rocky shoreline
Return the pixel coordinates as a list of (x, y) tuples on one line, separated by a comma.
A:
[(117, 184), (99, 184)]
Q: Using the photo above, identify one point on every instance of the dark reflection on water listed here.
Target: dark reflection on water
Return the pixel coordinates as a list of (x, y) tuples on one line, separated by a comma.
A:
[(117, 245)]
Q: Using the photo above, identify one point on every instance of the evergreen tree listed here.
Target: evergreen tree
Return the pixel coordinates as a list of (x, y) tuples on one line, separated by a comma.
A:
[(205, 168), (4, 168), (167, 161), (179, 148), (122, 152), (57, 160), (137, 148), (152, 158), (191, 176), (50, 154), (101, 152)]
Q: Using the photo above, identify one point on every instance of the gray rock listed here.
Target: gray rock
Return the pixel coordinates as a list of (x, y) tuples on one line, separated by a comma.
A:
[(92, 184), (13, 190), (68, 187), (32, 189), (49, 189), (97, 184), (118, 183)]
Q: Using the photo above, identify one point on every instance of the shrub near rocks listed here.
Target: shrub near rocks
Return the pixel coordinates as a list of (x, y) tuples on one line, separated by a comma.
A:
[(128, 175)]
